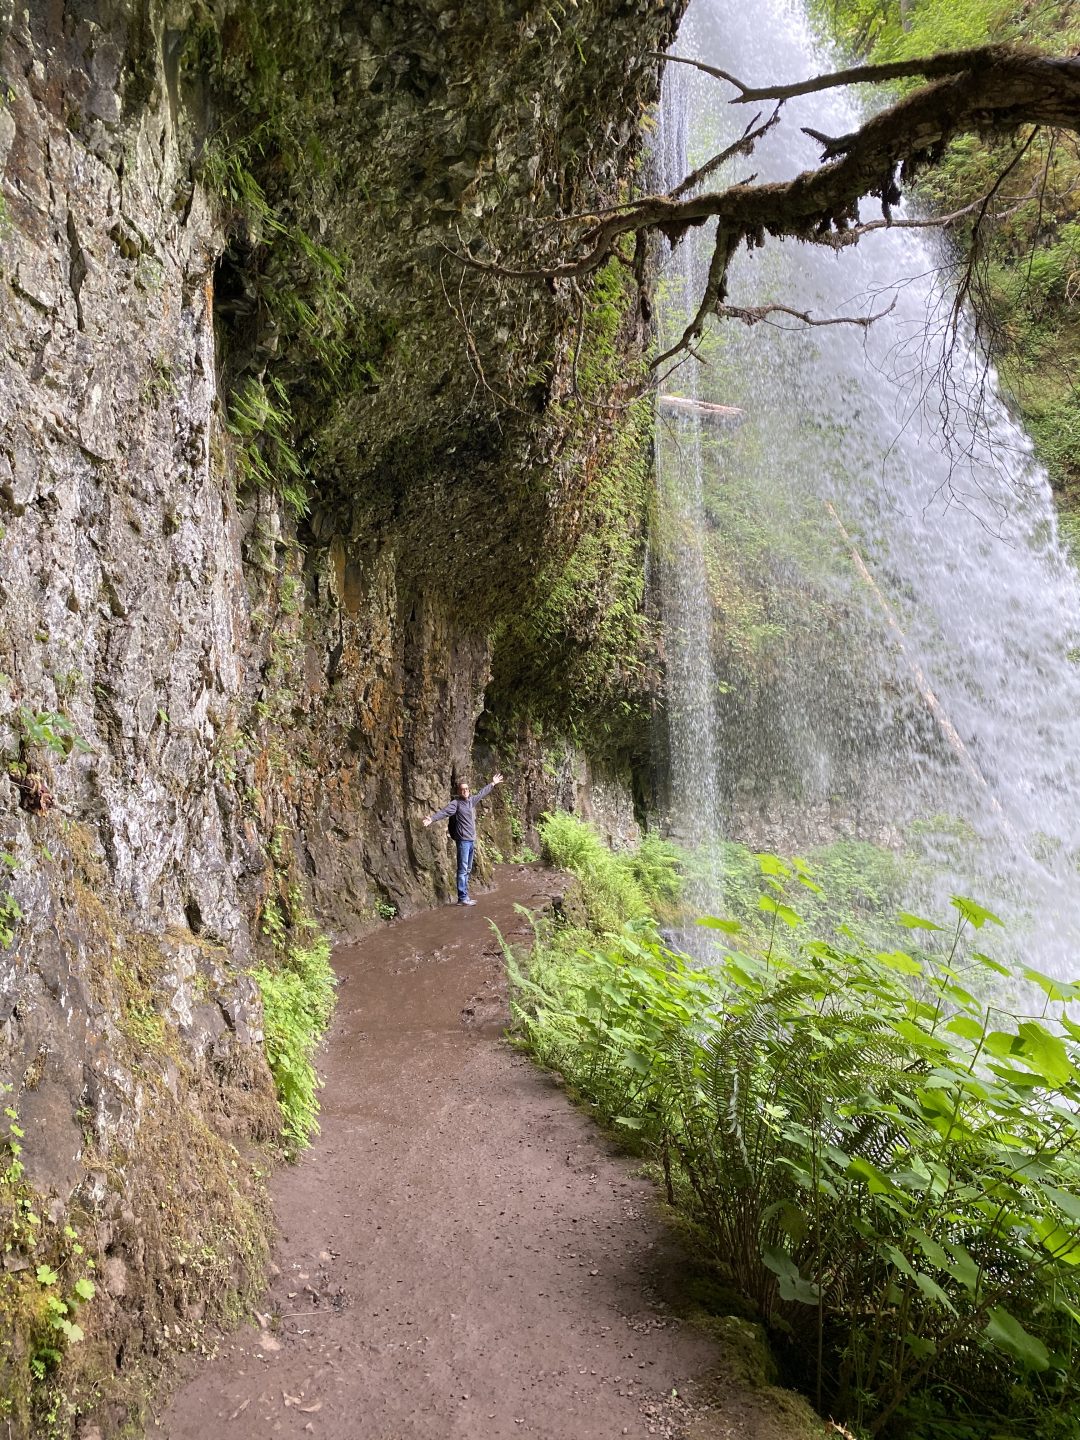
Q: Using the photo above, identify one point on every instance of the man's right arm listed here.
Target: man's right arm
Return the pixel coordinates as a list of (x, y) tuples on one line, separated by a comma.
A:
[(442, 814)]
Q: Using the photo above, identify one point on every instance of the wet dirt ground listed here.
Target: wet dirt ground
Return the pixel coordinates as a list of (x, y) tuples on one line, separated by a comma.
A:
[(462, 1253)]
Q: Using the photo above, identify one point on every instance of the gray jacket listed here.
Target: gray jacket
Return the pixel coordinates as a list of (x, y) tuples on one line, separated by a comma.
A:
[(465, 810)]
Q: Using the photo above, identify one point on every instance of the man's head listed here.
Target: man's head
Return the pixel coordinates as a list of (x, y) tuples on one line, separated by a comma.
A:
[(463, 789)]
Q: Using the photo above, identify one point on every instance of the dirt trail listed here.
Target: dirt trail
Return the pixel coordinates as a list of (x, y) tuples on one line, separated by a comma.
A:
[(461, 1254)]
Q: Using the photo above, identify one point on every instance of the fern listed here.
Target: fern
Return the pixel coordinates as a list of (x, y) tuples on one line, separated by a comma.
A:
[(869, 1181), (298, 1001), (634, 884)]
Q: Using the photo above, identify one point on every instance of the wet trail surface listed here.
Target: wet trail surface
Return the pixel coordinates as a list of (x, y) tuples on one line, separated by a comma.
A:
[(461, 1254)]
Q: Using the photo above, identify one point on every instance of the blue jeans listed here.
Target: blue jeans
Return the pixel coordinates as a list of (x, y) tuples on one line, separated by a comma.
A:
[(465, 850)]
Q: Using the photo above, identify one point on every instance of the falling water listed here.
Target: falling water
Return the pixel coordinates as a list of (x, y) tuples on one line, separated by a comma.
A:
[(693, 748), (927, 667)]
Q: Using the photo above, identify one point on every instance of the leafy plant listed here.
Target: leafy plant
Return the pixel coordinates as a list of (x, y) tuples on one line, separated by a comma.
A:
[(298, 1000), (297, 992), (886, 1162), (616, 886), (10, 915), (299, 281), (39, 730), (44, 1283), (224, 169), (260, 416), (50, 730)]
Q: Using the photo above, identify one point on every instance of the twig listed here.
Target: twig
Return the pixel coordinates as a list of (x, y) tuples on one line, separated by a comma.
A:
[(743, 146), (971, 91), (964, 288), (699, 65), (932, 222), (754, 314)]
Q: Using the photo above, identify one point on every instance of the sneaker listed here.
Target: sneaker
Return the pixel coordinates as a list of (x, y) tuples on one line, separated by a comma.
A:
[(466, 901)]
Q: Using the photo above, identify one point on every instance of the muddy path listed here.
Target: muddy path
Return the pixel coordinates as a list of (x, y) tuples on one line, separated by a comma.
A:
[(461, 1254)]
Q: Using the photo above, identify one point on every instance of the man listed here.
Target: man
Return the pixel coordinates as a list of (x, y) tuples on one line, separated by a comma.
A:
[(463, 829)]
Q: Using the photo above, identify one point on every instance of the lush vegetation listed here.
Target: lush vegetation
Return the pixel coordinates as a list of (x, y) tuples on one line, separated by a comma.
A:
[(886, 1164), (468, 379), (298, 999), (282, 292), (586, 622), (616, 885), (45, 1280), (1028, 270)]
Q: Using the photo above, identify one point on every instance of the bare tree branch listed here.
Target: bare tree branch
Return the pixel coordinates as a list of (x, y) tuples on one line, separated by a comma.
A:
[(964, 288), (934, 222), (743, 146), (992, 88), (929, 67), (754, 314)]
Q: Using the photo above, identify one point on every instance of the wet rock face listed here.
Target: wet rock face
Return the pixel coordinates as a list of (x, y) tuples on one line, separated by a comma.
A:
[(121, 561), (222, 704), (124, 610)]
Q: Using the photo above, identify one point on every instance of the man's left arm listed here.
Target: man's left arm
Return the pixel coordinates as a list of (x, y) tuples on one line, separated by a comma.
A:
[(496, 779)]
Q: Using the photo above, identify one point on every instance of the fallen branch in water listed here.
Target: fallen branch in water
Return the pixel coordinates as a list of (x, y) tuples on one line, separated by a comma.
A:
[(701, 409)]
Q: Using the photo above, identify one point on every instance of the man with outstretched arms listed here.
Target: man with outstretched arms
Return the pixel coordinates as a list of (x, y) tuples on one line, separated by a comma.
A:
[(461, 813)]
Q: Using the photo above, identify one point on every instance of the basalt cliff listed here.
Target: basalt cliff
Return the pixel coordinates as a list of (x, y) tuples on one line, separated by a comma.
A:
[(302, 518)]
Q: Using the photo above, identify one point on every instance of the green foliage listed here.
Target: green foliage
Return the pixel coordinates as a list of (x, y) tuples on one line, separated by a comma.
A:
[(886, 1163), (50, 730), (240, 199), (616, 886), (255, 169), (36, 730), (261, 418), (581, 657), (298, 1000), (848, 883), (853, 884), (142, 1024), (10, 915), (658, 868), (44, 1282), (160, 383), (887, 30)]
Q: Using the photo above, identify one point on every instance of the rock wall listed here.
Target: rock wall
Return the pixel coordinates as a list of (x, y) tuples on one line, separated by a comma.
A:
[(213, 696)]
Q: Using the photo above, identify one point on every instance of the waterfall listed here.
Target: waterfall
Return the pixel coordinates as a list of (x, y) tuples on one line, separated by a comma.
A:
[(693, 753), (902, 622)]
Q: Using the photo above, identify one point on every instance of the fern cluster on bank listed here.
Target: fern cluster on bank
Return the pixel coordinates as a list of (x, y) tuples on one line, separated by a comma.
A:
[(886, 1164), (298, 1000), (646, 880)]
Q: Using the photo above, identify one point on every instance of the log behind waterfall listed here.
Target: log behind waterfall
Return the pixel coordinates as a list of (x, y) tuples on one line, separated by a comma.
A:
[(933, 704), (701, 410)]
